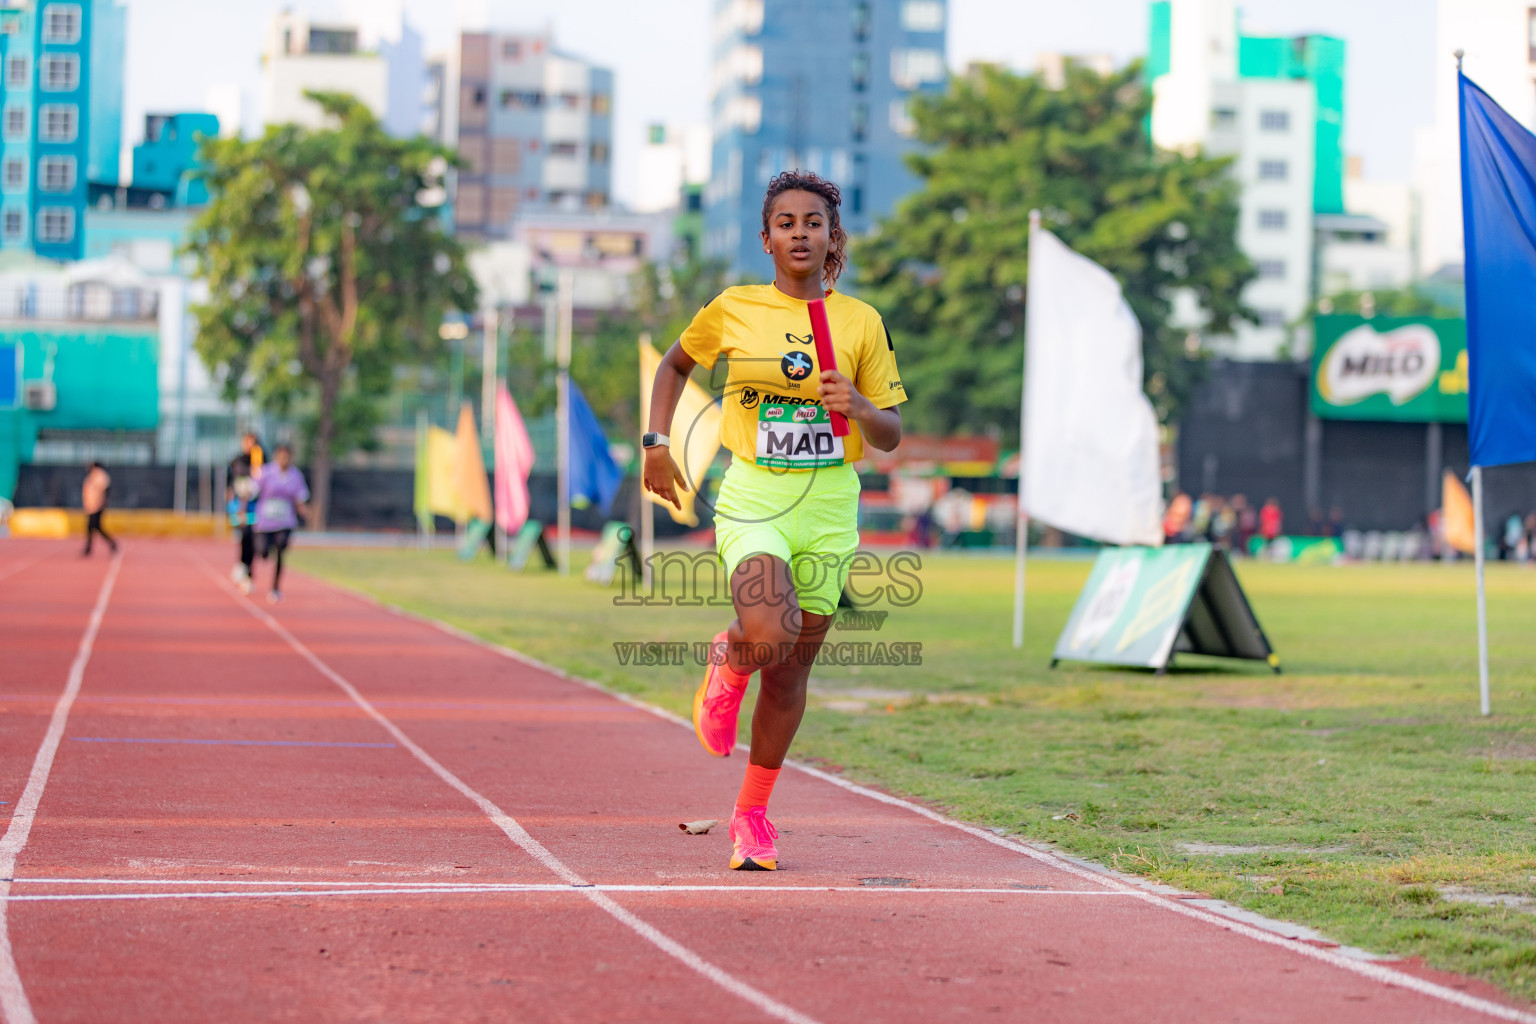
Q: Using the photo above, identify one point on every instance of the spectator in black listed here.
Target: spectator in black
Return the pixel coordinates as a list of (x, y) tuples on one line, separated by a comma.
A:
[(240, 499)]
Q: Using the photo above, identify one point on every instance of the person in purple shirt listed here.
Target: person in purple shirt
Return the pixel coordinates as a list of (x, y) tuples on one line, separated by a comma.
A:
[(280, 494)]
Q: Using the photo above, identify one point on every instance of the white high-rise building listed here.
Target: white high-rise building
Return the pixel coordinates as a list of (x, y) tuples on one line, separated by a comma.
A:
[(1499, 40), (673, 156), (1202, 103), (302, 55)]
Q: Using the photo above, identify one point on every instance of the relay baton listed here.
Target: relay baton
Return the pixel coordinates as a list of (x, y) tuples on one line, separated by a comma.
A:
[(826, 359)]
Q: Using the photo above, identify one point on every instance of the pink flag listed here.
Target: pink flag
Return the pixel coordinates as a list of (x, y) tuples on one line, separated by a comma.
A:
[(514, 461)]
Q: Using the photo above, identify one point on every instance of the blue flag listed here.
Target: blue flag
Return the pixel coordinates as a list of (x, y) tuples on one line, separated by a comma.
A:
[(594, 477), (1498, 201)]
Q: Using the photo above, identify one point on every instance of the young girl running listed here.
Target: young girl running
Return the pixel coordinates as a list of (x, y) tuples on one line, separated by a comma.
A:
[(279, 492), (786, 520)]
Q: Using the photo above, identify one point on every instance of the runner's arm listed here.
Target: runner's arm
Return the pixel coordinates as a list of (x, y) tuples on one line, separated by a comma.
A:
[(661, 475), (881, 427)]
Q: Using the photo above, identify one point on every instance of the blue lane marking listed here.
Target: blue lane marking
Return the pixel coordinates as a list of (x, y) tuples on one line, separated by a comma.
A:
[(228, 743)]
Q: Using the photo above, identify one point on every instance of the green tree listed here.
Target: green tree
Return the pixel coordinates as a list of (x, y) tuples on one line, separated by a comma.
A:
[(1408, 301), (949, 270), (328, 268)]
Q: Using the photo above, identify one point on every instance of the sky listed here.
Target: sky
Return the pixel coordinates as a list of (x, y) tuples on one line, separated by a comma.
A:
[(659, 52)]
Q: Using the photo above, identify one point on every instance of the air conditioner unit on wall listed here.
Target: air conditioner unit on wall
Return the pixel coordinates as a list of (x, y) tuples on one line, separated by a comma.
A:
[(39, 395)]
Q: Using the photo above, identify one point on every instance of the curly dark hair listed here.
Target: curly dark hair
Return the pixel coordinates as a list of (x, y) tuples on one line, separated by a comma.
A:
[(807, 181)]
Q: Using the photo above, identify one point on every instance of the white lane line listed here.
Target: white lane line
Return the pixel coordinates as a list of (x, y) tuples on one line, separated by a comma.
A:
[(27, 564), (1374, 971), (14, 1005), (283, 888), (483, 890), (520, 836)]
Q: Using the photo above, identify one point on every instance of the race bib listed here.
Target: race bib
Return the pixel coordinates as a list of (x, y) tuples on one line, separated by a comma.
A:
[(796, 437), (274, 509)]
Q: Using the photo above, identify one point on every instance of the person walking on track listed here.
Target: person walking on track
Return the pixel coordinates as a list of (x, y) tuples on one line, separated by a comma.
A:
[(281, 494), (240, 499), (786, 519), (93, 498)]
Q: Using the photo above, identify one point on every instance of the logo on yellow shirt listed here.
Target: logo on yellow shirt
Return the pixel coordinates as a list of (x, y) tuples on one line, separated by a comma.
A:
[(795, 339), (796, 365)]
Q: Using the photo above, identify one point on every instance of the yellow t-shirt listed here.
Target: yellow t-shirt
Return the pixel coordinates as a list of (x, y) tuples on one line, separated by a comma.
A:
[(774, 376)]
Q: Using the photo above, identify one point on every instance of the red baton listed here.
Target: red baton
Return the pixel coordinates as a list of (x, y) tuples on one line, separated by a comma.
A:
[(826, 359)]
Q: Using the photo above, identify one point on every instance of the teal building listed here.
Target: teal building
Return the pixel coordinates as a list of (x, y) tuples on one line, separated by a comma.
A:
[(166, 161), (1314, 58), (61, 71)]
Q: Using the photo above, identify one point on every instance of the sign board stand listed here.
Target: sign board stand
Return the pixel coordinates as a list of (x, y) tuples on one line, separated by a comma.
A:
[(524, 542), (1144, 606), (615, 545)]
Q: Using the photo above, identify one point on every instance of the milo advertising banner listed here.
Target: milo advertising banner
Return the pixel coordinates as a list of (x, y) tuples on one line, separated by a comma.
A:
[(1142, 606), (1390, 368)]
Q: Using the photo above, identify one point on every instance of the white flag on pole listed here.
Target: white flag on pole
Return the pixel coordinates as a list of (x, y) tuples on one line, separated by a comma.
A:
[(1090, 463)]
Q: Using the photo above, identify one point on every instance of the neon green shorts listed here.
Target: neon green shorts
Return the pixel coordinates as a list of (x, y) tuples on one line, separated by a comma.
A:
[(807, 518)]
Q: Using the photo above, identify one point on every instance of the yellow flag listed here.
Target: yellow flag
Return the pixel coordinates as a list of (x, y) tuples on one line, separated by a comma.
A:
[(695, 433), (442, 475), (474, 488), (1456, 515)]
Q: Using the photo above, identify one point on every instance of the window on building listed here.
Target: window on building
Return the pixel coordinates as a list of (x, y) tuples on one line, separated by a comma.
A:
[(856, 200), (61, 23), (859, 121), (861, 20), (60, 72), (1224, 117), (59, 122), (333, 40), (511, 50), (562, 149), (922, 15), (570, 100), (13, 224), (55, 224), (602, 104), (16, 72), (1275, 120), (14, 173), (746, 113), (599, 152), (912, 68), (1273, 270), (522, 99), (1273, 170), (56, 173), (1271, 317), (860, 71), (1272, 220), (479, 96), (15, 122), (901, 119)]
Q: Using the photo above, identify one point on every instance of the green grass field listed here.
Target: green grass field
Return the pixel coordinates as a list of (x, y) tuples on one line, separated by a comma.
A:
[(1360, 793)]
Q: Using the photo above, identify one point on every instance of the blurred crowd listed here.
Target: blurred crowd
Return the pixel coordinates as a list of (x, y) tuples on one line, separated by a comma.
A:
[(1235, 525), (1228, 523)]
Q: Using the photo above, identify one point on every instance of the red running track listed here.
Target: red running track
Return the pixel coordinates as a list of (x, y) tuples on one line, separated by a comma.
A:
[(334, 812)]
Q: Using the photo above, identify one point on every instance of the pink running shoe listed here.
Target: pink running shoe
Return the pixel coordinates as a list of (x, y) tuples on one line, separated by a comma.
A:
[(753, 835), (716, 707)]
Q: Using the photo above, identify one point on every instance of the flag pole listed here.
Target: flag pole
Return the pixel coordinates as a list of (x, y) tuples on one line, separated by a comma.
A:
[(647, 511), (563, 421), (1021, 525), (1482, 596)]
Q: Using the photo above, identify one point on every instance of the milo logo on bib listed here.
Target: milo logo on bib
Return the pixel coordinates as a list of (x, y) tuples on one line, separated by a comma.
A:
[(796, 437)]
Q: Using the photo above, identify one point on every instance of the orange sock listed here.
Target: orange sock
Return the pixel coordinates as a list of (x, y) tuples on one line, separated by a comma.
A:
[(757, 786)]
